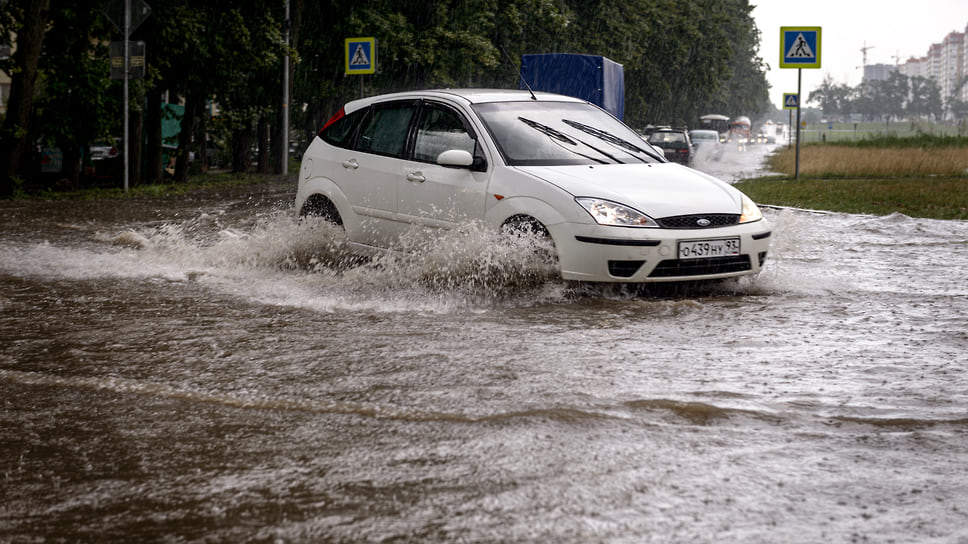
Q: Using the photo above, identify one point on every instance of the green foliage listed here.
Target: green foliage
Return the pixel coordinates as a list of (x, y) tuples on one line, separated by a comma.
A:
[(921, 141), (894, 98), (682, 58), (936, 198), (76, 103)]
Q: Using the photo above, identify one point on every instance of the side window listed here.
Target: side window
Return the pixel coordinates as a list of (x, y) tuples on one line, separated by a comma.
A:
[(384, 131), (340, 132), (439, 130)]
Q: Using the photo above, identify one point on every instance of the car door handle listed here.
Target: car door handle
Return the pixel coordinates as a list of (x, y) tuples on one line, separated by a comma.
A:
[(416, 176), (351, 164)]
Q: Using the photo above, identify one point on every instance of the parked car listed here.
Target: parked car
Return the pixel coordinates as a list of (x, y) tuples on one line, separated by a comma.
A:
[(106, 149), (414, 163), (676, 144), (706, 144)]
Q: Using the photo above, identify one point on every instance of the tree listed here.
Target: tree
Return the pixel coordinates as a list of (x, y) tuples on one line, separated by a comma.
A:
[(77, 102), (833, 98), (895, 94), (681, 59), (28, 19)]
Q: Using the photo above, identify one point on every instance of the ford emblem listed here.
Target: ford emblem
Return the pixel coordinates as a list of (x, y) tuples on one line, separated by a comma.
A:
[(703, 222)]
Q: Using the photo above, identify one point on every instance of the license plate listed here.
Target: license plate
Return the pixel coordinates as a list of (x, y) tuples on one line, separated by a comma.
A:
[(703, 249)]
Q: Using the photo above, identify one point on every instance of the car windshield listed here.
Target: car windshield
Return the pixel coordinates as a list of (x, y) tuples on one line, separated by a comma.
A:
[(561, 133)]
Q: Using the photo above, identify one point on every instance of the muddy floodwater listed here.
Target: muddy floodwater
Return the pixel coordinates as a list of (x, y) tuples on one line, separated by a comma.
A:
[(211, 369)]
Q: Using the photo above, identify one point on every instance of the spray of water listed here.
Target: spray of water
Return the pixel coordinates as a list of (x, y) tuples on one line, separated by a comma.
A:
[(282, 259)]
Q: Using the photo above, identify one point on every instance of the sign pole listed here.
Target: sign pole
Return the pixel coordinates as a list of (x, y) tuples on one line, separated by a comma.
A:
[(799, 94), (284, 167), (127, 67), (799, 48), (360, 57)]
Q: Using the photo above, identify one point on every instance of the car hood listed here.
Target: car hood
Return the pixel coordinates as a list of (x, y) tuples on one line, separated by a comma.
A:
[(658, 190)]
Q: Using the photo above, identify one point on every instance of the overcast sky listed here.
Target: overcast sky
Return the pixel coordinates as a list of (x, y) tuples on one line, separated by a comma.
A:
[(889, 28)]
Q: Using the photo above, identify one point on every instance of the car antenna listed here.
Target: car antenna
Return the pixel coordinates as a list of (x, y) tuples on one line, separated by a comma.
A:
[(525, 81)]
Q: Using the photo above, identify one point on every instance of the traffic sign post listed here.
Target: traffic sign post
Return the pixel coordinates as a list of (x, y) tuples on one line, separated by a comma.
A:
[(360, 57), (127, 15), (799, 48), (791, 101)]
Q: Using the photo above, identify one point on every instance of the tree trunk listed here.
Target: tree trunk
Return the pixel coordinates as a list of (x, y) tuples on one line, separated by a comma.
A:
[(154, 150), (192, 103), (241, 143), (201, 138), (264, 152), (14, 143), (135, 145)]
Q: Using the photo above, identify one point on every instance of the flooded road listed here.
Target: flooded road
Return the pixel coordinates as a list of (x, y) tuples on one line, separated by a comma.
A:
[(209, 369)]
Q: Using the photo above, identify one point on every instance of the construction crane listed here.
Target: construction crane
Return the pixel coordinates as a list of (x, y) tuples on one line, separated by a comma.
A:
[(864, 51)]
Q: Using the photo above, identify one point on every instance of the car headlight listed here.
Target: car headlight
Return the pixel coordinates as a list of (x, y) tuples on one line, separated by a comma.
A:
[(606, 212), (751, 212)]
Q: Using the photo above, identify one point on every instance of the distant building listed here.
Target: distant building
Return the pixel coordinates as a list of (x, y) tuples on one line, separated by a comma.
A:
[(946, 63), (952, 64), (878, 72)]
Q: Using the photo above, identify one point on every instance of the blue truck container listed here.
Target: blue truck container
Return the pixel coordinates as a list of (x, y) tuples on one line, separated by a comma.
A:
[(590, 77)]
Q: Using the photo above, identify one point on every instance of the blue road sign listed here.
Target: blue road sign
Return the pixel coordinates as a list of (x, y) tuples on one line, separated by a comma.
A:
[(360, 55), (791, 101), (800, 47)]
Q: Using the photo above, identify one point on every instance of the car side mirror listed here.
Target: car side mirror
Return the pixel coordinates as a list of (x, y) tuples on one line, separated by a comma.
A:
[(455, 157)]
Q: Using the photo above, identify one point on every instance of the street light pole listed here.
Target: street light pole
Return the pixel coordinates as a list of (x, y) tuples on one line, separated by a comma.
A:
[(285, 99), (127, 68)]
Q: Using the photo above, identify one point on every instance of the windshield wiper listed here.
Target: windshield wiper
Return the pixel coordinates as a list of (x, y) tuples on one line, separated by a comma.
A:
[(548, 130), (562, 137), (610, 138)]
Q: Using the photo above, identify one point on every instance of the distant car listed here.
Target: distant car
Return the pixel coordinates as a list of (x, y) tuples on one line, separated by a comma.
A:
[(675, 143), (706, 144), (396, 168), (105, 149)]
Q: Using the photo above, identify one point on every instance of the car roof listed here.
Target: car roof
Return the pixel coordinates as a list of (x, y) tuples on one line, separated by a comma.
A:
[(468, 96)]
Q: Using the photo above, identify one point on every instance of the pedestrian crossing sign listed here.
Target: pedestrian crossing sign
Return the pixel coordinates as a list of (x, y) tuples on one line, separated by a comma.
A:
[(360, 55), (791, 101), (800, 47)]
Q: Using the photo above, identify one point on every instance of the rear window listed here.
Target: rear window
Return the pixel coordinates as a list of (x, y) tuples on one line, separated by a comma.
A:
[(340, 132), (667, 137)]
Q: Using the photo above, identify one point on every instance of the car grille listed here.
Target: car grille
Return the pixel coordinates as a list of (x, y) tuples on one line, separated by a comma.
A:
[(692, 221), (699, 267), (624, 269)]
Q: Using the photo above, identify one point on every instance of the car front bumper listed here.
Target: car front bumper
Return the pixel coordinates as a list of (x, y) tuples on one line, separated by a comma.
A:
[(598, 253)]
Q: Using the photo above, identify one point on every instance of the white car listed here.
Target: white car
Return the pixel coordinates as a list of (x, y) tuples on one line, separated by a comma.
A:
[(707, 144), (615, 209)]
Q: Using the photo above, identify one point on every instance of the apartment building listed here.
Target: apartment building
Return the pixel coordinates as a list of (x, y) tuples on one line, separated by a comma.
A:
[(946, 63)]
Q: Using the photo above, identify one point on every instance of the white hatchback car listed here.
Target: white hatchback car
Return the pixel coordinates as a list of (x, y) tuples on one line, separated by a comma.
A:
[(615, 209)]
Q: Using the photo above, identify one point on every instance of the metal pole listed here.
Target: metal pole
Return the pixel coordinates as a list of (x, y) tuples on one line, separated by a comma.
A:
[(799, 101), (285, 99), (127, 67), (789, 124)]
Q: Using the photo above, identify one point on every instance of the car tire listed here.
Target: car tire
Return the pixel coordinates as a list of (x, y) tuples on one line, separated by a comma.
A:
[(320, 206), (526, 226)]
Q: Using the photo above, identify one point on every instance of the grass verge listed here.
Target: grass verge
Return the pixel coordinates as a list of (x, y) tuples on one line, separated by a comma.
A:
[(925, 176), (928, 197), (195, 183)]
